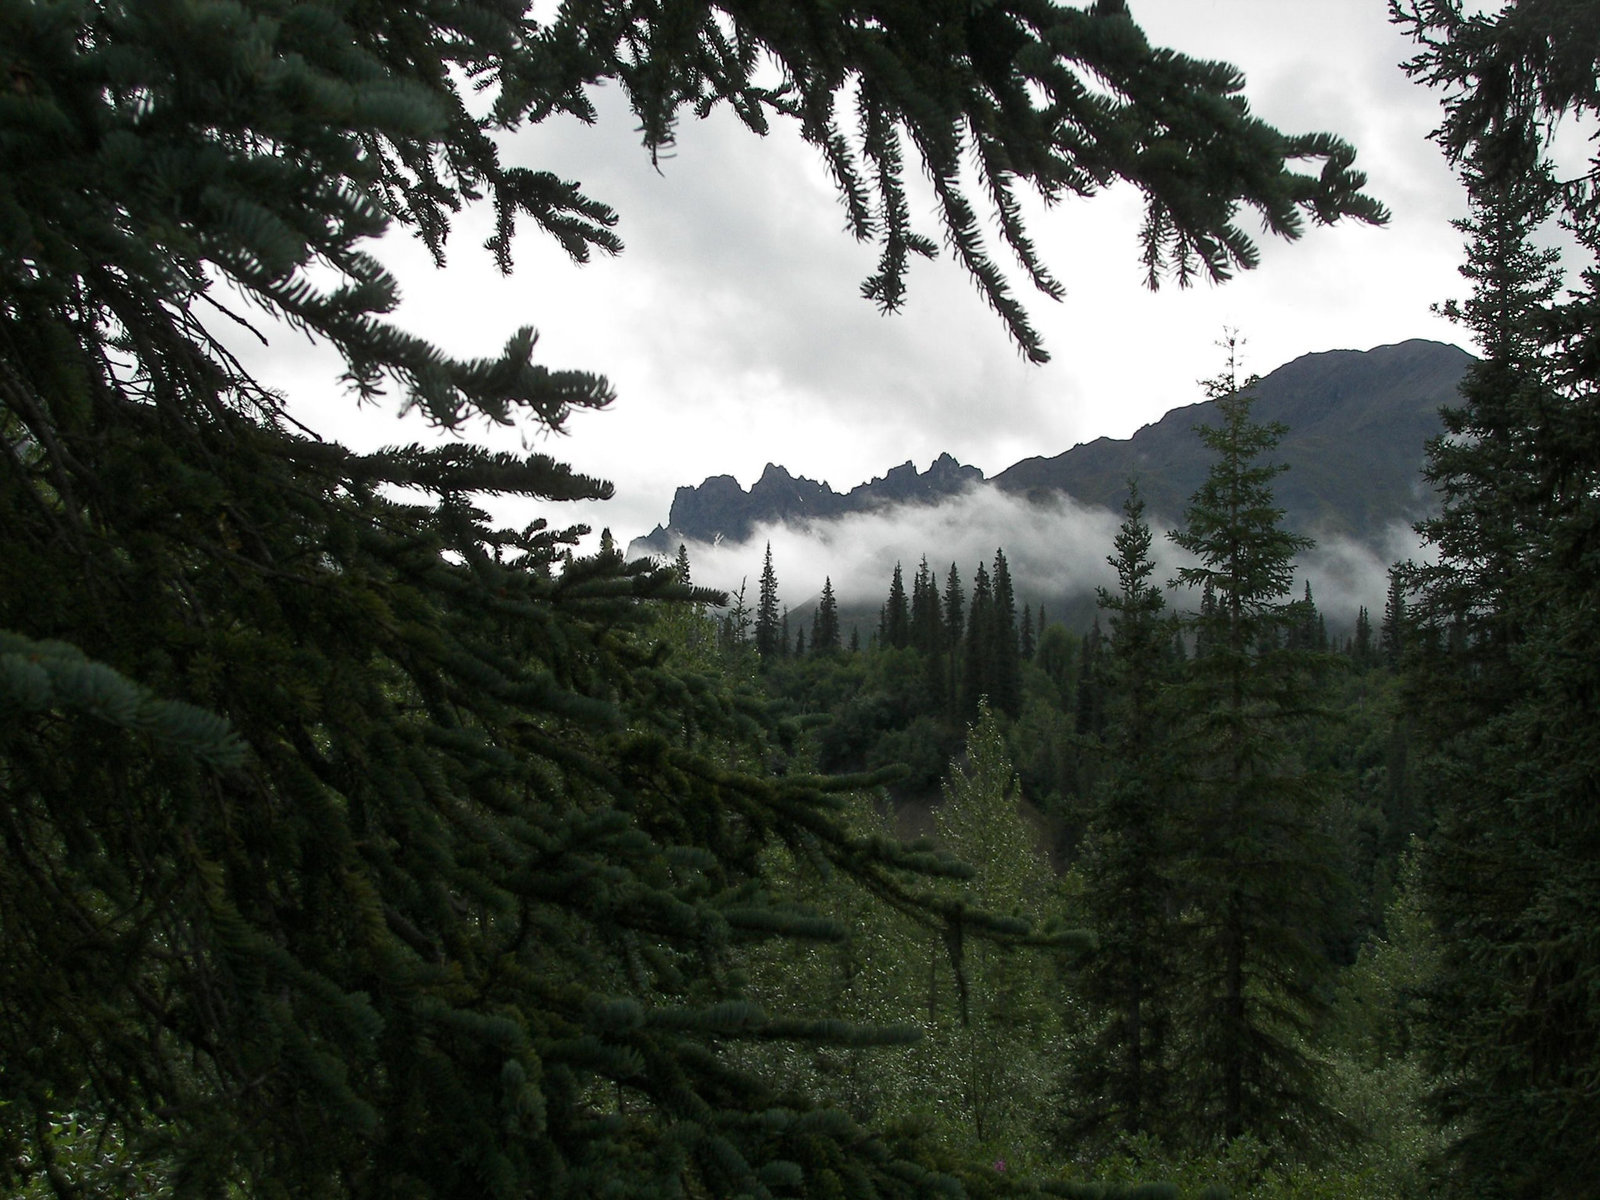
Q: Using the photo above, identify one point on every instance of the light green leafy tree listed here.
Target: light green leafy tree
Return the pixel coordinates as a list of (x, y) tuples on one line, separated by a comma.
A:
[(992, 1024)]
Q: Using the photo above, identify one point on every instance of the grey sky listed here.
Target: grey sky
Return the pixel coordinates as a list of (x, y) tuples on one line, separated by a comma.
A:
[(733, 333)]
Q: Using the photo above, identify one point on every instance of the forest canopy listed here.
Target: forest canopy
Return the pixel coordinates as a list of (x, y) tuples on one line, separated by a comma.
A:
[(355, 846)]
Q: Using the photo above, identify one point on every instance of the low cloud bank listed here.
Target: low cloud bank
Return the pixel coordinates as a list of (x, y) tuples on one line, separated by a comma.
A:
[(1053, 548), (1056, 548), (1346, 574)]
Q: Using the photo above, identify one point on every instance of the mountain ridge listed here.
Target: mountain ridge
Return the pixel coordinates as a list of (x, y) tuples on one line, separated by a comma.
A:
[(1357, 424)]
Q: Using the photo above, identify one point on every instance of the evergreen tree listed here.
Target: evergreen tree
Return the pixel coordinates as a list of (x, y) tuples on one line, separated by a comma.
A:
[(771, 637), (1391, 635), (825, 629), (955, 621), (1361, 648), (1499, 642), (680, 565), (1307, 632), (894, 628), (955, 627), (975, 680), (1120, 1079), (927, 617), (1002, 654), (1257, 868), (1025, 637)]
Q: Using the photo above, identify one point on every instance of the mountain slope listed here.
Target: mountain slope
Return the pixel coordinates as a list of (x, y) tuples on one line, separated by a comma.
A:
[(1357, 424)]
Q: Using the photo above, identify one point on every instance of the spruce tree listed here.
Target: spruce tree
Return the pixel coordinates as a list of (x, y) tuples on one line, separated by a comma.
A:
[(1498, 642), (825, 629), (772, 635), (1257, 868), (894, 628), (1391, 634), (955, 626), (1003, 655), (1361, 649), (975, 679), (927, 618), (1120, 1079)]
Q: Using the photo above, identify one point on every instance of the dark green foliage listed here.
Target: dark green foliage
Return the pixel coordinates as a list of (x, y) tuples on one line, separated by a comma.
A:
[(772, 635), (1056, 658), (1391, 634), (1500, 638), (825, 623), (1003, 657), (955, 623), (977, 645), (894, 624), (1307, 631), (955, 629), (1362, 652), (927, 616), (1258, 872), (1089, 707), (1120, 1082)]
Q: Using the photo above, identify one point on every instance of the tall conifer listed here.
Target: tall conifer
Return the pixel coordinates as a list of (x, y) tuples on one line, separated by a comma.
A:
[(975, 679), (1499, 645), (927, 617), (1257, 869), (1120, 1080), (1003, 653), (771, 634), (955, 627), (825, 629), (894, 628)]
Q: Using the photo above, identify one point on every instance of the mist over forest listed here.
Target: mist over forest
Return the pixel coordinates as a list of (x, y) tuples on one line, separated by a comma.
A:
[(1057, 549), (1356, 425)]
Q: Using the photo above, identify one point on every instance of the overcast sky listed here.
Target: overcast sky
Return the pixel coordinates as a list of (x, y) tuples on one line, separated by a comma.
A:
[(734, 335)]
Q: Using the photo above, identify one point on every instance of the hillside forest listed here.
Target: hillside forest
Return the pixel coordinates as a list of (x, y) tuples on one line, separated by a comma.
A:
[(353, 845), (1204, 813)]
